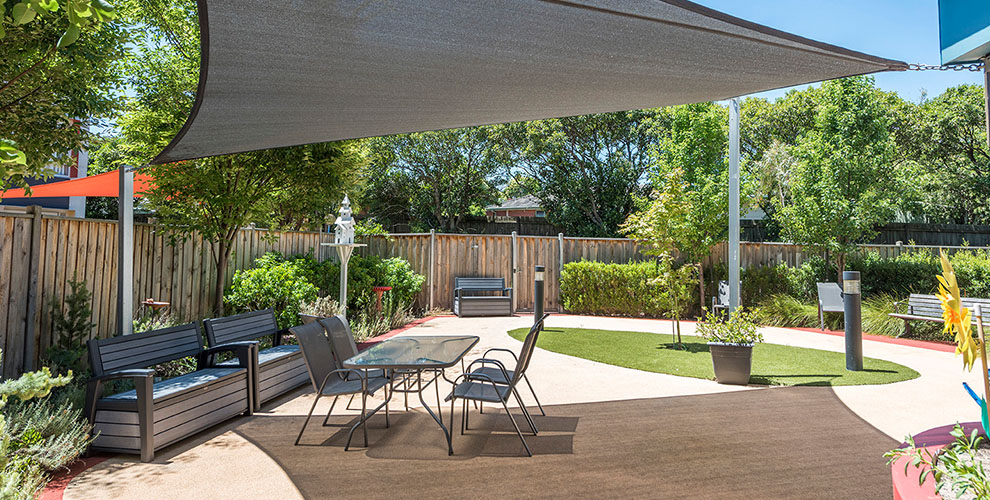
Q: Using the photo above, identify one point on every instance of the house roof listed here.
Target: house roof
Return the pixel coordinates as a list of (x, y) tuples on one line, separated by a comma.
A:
[(322, 71), (528, 202)]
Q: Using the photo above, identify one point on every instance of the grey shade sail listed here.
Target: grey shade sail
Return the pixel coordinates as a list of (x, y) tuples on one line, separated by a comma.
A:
[(313, 71)]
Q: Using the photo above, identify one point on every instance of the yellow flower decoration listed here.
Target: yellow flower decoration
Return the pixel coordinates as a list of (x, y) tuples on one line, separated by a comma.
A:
[(957, 318)]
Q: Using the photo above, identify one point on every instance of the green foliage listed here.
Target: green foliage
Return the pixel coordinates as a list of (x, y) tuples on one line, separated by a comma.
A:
[(22, 474), (634, 289), (588, 169), (71, 326), (47, 433), (289, 283), (369, 322), (739, 328), (58, 79), (434, 177), (955, 467), (323, 307), (279, 286), (841, 186)]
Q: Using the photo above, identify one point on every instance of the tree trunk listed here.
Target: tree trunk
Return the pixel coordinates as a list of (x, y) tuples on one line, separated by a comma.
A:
[(840, 266), (223, 257), (701, 283)]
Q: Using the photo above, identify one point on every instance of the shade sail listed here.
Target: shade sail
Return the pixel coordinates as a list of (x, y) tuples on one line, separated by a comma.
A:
[(107, 184), (317, 70)]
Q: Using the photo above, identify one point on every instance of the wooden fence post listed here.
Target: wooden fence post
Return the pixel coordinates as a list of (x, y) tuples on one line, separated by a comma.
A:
[(32, 288), (515, 270), (433, 245)]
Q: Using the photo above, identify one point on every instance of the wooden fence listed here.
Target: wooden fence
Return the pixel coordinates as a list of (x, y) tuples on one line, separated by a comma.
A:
[(40, 254)]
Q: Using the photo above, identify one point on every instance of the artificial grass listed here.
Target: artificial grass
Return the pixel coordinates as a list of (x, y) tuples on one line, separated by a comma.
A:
[(773, 364)]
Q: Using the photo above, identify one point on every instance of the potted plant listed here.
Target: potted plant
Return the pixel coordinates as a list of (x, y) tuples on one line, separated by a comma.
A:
[(731, 343), (322, 307)]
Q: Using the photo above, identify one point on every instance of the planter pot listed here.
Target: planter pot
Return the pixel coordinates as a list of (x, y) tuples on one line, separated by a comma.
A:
[(308, 318), (732, 362)]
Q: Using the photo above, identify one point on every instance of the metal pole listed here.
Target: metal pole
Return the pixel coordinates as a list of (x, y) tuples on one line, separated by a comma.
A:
[(538, 281), (978, 315), (734, 204), (514, 263), (125, 252), (433, 244), (852, 300), (560, 268), (986, 94), (344, 251)]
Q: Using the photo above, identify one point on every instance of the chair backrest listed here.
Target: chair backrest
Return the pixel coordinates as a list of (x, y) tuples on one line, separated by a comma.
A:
[(315, 347), (341, 340), (241, 327), (931, 306), (479, 284), (529, 345), (723, 293), (143, 350), (830, 297)]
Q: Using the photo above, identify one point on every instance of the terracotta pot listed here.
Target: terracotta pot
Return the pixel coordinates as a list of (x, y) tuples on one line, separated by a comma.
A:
[(732, 362)]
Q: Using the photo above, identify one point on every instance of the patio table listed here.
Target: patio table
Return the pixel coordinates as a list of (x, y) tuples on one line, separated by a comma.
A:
[(415, 355)]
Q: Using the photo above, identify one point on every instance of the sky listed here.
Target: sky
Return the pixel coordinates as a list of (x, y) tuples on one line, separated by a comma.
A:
[(905, 30)]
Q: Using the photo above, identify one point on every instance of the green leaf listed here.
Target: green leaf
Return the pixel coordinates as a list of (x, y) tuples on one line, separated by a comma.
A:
[(22, 13), (11, 155), (70, 36)]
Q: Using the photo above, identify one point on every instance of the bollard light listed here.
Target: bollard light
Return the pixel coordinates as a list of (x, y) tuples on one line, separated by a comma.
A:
[(853, 301), (538, 292)]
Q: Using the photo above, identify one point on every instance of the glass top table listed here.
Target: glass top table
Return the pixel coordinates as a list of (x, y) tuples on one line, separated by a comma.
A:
[(414, 353)]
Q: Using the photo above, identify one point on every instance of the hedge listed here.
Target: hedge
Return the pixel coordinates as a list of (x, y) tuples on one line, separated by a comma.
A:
[(632, 289)]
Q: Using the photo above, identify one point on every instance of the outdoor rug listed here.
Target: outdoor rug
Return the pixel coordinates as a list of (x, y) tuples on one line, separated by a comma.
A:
[(796, 442)]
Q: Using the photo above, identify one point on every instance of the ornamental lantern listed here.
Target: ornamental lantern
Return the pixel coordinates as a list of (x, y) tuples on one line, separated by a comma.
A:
[(344, 230)]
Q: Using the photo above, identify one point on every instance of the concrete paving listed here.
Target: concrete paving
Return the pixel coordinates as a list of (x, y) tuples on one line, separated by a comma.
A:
[(219, 463)]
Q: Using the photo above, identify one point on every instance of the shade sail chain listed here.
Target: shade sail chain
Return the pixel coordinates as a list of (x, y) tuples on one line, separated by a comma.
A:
[(973, 66)]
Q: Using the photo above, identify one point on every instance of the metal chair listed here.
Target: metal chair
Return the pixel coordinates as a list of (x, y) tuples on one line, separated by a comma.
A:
[(473, 386), (503, 377), (829, 300), (330, 381), (720, 302)]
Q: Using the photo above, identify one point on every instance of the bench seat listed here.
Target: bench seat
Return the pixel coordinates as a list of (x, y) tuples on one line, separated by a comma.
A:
[(473, 297), (156, 414), (922, 307), (280, 368)]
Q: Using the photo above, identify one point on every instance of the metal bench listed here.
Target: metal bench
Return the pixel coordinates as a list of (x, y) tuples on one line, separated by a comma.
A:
[(829, 300), (470, 301), (156, 414), (279, 368), (921, 307)]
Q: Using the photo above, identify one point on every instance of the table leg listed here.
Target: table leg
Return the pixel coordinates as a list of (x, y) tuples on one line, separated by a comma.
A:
[(446, 432)]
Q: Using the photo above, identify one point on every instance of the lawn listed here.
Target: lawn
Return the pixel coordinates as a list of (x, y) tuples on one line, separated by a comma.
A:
[(773, 364)]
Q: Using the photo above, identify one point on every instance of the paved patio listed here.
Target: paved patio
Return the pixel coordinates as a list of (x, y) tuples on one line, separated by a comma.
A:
[(244, 458)]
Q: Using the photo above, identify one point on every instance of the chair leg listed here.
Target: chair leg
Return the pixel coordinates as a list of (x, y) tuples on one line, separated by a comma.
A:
[(364, 416), (385, 388), (452, 400), (519, 432), (327, 419), (349, 401), (525, 412), (436, 385), (405, 394), (310, 414), (540, 406)]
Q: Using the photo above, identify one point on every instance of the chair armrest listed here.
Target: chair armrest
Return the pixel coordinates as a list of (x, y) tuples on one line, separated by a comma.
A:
[(277, 337), (500, 349), (362, 374), (509, 290), (495, 362), (94, 385), (243, 350)]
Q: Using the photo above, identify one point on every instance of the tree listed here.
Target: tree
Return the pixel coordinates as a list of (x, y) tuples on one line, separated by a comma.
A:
[(840, 184), (215, 197), (439, 177), (589, 169), (950, 145), (58, 79)]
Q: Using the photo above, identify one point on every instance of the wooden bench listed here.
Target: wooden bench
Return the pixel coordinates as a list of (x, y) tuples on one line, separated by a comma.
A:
[(156, 414), (278, 369), (920, 307), (469, 298)]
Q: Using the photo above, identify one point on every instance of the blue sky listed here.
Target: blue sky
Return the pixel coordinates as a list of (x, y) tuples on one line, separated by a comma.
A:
[(906, 30)]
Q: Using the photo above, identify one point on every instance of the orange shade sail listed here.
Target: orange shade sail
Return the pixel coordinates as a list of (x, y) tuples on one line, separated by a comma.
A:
[(107, 184)]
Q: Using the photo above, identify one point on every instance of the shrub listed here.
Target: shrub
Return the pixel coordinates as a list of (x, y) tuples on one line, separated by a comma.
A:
[(280, 286), (71, 326), (633, 289), (369, 322), (739, 328), (791, 312), (324, 307), (45, 432)]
